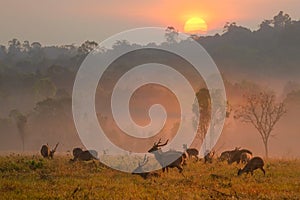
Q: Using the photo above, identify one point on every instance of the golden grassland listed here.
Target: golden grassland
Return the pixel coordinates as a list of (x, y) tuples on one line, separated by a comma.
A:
[(32, 177)]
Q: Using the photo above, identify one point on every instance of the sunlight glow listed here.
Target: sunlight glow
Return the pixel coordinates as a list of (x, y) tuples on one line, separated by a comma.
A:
[(195, 25)]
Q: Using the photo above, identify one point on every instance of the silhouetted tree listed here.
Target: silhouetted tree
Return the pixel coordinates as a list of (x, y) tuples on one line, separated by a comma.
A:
[(262, 111), (171, 34), (204, 103), (14, 48), (36, 53), (21, 121), (205, 112), (266, 25), (26, 46), (36, 45), (87, 47), (281, 20), (229, 26), (2, 51)]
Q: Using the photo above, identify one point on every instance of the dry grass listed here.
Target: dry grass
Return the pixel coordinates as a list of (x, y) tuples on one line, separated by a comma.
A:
[(27, 177)]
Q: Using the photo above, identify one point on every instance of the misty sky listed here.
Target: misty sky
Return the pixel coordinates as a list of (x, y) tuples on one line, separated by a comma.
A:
[(74, 21)]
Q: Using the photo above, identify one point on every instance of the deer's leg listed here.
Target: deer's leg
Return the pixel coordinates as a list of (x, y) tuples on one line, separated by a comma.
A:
[(179, 168), (262, 169)]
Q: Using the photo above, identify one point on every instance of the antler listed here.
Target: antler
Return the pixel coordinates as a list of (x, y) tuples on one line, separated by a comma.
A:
[(55, 147), (159, 141), (161, 145), (144, 161)]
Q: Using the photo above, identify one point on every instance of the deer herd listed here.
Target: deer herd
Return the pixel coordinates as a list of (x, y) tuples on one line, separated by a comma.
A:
[(172, 158)]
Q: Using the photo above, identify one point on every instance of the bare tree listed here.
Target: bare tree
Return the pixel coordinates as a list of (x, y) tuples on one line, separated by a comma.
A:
[(263, 112)]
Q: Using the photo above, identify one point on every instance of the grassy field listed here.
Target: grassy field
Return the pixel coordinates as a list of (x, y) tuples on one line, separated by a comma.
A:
[(31, 177)]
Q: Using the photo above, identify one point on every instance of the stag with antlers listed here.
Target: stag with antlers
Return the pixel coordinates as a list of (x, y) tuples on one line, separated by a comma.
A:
[(141, 172), (169, 159), (46, 152)]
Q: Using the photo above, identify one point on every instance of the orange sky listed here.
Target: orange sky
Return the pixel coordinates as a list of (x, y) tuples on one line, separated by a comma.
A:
[(73, 21)]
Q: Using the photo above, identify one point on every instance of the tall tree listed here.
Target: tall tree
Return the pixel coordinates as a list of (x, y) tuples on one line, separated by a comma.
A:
[(203, 100), (263, 112), (21, 122), (205, 111), (14, 48), (281, 20)]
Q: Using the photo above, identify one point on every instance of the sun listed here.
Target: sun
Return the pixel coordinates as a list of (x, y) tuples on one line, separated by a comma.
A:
[(195, 25)]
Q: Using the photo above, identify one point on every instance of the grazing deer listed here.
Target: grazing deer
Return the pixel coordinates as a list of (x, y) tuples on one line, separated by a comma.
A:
[(253, 164), (140, 171), (76, 152), (233, 155), (46, 152), (224, 156), (209, 156), (169, 159), (245, 157), (87, 155), (191, 152)]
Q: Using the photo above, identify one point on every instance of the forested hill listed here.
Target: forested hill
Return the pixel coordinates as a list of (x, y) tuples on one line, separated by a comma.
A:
[(272, 50)]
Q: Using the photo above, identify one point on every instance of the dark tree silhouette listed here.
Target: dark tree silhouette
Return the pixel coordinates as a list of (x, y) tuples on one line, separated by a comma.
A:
[(203, 100), (171, 34), (281, 20), (87, 47), (229, 26), (14, 48), (205, 111), (21, 121)]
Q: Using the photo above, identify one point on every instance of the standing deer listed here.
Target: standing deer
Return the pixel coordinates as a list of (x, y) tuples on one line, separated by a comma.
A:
[(253, 164), (46, 152), (191, 152), (169, 159)]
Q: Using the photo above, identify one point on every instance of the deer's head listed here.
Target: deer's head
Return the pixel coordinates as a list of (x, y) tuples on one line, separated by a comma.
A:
[(156, 146)]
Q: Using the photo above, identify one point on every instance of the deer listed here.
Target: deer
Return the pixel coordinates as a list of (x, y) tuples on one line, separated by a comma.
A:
[(209, 156), (140, 171), (245, 157), (253, 164), (233, 155), (87, 155), (225, 155), (169, 159), (46, 152), (191, 152)]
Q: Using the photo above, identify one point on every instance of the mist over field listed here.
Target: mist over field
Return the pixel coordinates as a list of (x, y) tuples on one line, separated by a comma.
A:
[(36, 84)]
